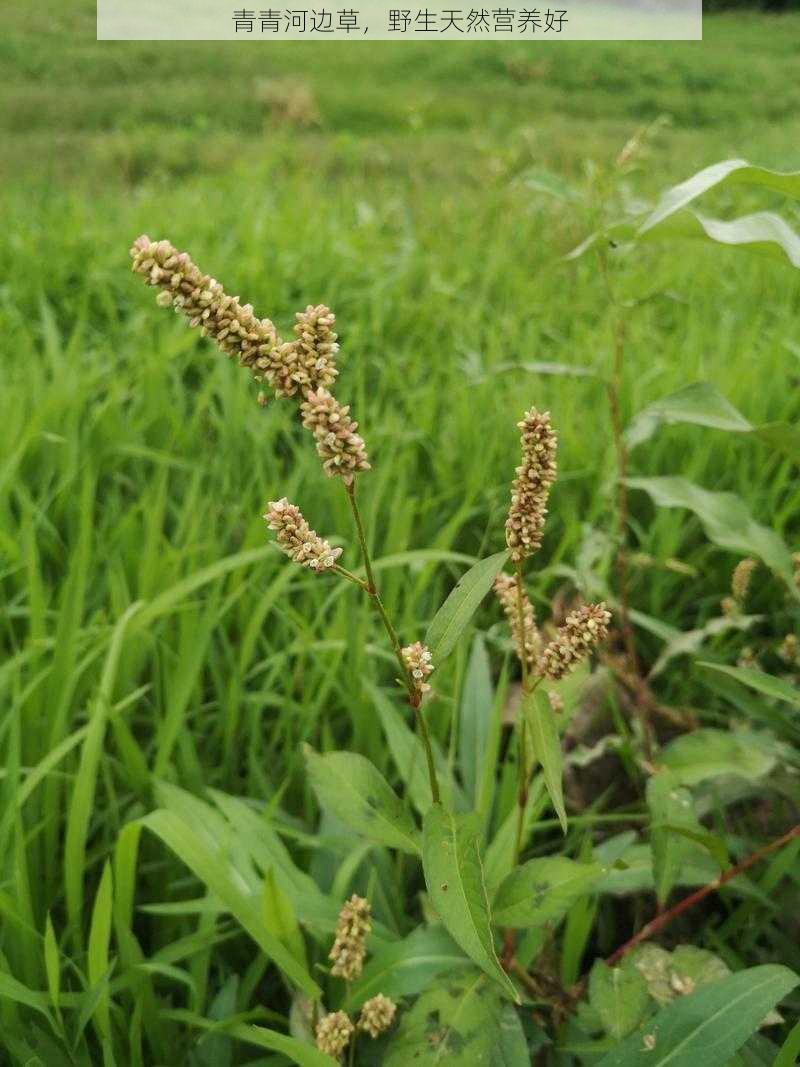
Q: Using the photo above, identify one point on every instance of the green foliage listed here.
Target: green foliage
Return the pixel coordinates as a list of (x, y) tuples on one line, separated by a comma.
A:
[(465, 1023), (541, 892), (350, 787), (709, 1024), (454, 877)]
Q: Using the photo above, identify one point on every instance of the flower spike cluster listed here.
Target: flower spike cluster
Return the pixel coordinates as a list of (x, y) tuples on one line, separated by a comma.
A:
[(740, 581), (340, 448), (583, 630), (333, 1033), (530, 489), (417, 658), (296, 538), (529, 644), (350, 945), (377, 1015), (201, 299)]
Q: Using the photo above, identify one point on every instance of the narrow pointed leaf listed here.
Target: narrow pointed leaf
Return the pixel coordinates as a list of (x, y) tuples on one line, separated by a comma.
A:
[(351, 787), (454, 877), (546, 746), (219, 875), (726, 521), (762, 683), (454, 615), (728, 171), (707, 1026), (699, 403)]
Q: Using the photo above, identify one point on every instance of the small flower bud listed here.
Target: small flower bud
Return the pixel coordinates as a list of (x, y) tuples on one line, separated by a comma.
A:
[(417, 658), (296, 538), (377, 1015), (583, 630), (333, 1033)]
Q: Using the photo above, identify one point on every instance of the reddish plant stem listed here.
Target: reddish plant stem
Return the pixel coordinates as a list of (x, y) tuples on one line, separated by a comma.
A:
[(666, 917)]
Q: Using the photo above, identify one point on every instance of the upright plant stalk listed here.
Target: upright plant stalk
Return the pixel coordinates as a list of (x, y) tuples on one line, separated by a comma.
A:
[(614, 392), (414, 695), (522, 782)]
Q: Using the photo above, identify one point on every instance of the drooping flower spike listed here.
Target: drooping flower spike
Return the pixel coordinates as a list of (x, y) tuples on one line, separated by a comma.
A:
[(296, 538)]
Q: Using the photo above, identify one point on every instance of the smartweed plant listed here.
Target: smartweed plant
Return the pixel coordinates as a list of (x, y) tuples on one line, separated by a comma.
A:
[(304, 371), (473, 980)]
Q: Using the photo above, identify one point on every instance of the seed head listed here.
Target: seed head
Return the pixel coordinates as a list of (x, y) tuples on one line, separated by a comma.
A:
[(202, 300), (340, 448), (349, 947), (583, 630), (789, 650), (529, 644), (333, 1033), (309, 362), (747, 658), (740, 582), (377, 1015), (417, 658), (729, 607), (529, 491), (296, 538)]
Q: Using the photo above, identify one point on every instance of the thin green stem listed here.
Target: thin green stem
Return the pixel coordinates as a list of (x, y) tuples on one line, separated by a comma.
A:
[(350, 576), (372, 590), (362, 537)]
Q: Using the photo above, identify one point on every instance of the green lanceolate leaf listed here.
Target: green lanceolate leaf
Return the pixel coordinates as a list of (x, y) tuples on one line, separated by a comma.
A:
[(454, 615), (762, 683), (725, 519), (461, 1023), (764, 233), (208, 862), (475, 717), (699, 403), (670, 806), (707, 1026), (408, 753), (97, 955), (454, 877), (728, 171), (357, 793), (280, 918), (543, 890), (709, 753), (546, 745), (619, 996), (405, 968)]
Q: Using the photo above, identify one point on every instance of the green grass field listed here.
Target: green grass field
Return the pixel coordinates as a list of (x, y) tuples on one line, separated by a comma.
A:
[(428, 195)]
